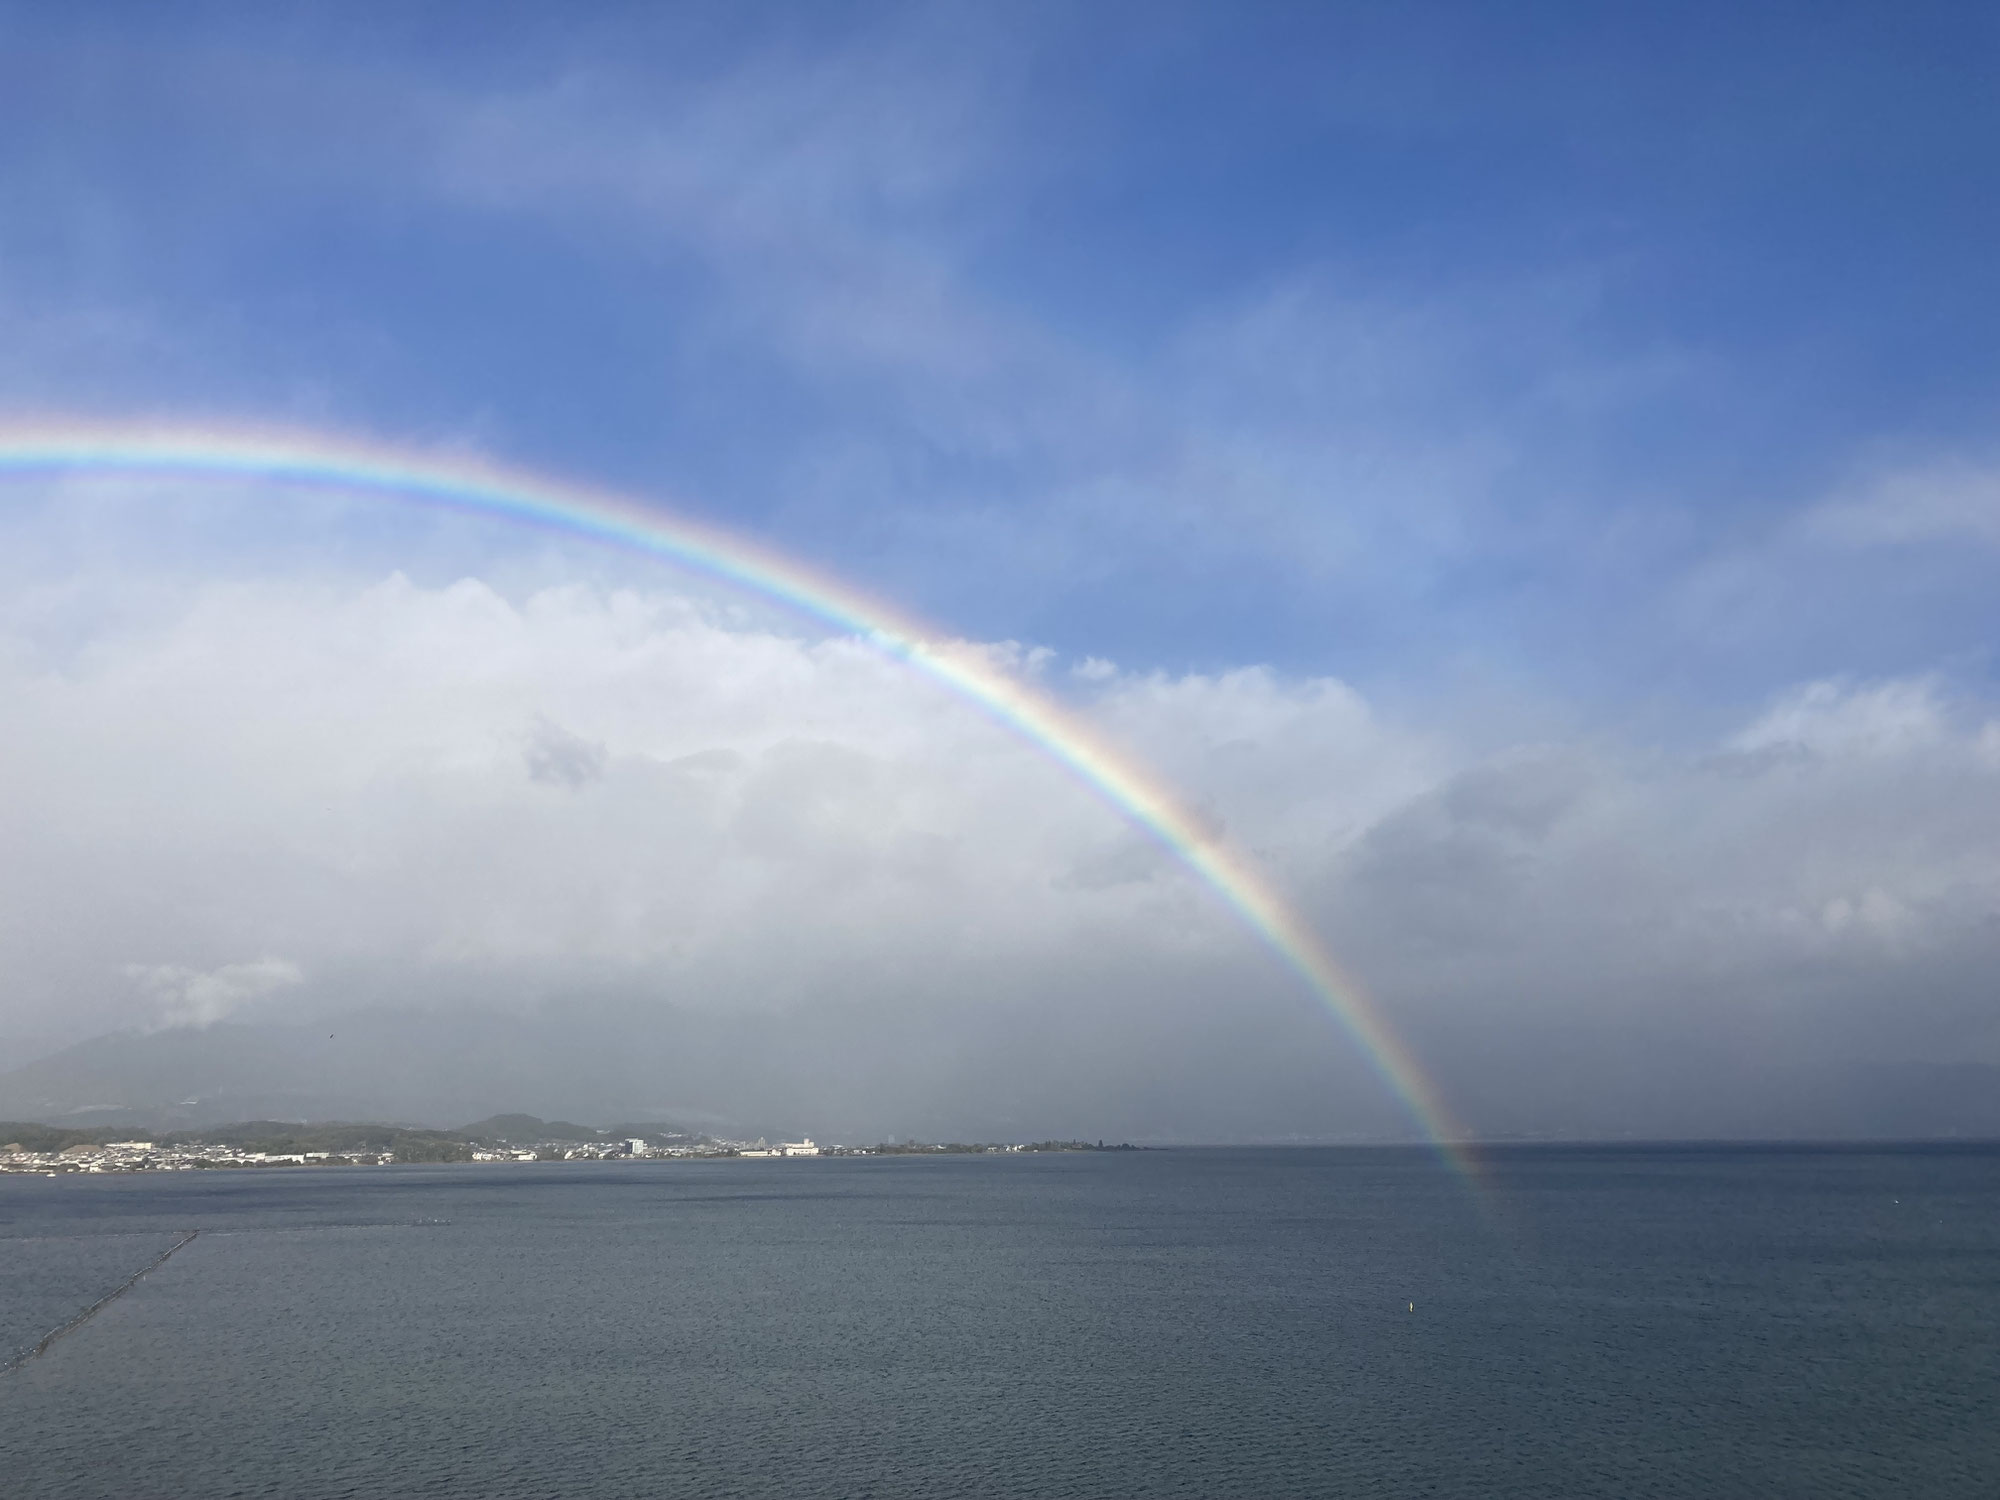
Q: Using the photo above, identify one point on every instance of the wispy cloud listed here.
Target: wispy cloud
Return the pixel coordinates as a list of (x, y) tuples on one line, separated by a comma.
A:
[(1945, 502)]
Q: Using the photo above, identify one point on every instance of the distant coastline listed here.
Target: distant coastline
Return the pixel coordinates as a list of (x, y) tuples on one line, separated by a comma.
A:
[(51, 1150)]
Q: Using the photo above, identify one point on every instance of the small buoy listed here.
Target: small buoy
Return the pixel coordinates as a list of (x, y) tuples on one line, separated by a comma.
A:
[(1413, 1307)]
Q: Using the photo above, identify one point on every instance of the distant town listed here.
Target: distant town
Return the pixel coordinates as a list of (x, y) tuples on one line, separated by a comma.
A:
[(52, 1150)]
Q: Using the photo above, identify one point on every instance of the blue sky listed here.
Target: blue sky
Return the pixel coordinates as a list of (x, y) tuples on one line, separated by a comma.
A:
[(1527, 473), (1395, 342)]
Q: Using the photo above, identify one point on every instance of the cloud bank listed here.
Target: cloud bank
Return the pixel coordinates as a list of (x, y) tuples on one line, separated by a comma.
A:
[(607, 810)]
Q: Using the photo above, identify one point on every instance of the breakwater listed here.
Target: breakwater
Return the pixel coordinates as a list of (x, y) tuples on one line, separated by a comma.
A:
[(98, 1306)]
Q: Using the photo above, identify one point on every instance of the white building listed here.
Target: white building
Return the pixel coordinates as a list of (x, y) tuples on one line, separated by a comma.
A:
[(799, 1148), (636, 1146)]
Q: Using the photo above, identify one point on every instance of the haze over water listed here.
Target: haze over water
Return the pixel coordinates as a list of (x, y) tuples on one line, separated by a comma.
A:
[(1617, 1322)]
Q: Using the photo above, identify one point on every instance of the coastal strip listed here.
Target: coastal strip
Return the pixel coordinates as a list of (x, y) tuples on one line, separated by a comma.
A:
[(50, 1151), (102, 1302)]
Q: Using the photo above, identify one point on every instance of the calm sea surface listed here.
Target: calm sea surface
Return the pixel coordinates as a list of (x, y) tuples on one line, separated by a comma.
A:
[(1648, 1322)]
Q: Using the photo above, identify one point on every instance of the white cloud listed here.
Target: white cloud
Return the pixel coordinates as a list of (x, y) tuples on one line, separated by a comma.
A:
[(436, 795), (1826, 886), (420, 780), (1944, 501), (1880, 718), (190, 997)]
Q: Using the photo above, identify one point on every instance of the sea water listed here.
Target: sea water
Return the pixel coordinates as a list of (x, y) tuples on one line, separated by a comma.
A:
[(1586, 1322)]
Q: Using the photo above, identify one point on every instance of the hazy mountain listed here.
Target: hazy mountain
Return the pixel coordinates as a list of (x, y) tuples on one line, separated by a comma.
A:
[(520, 1127), (860, 1075), (419, 1067), (838, 1073)]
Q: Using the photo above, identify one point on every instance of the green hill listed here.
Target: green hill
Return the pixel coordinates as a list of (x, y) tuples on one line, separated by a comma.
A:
[(528, 1128)]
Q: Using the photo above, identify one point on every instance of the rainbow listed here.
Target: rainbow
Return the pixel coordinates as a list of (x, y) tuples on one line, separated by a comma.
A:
[(476, 487)]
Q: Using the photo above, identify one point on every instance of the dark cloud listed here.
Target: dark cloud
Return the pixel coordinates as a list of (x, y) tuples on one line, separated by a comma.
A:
[(559, 758)]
